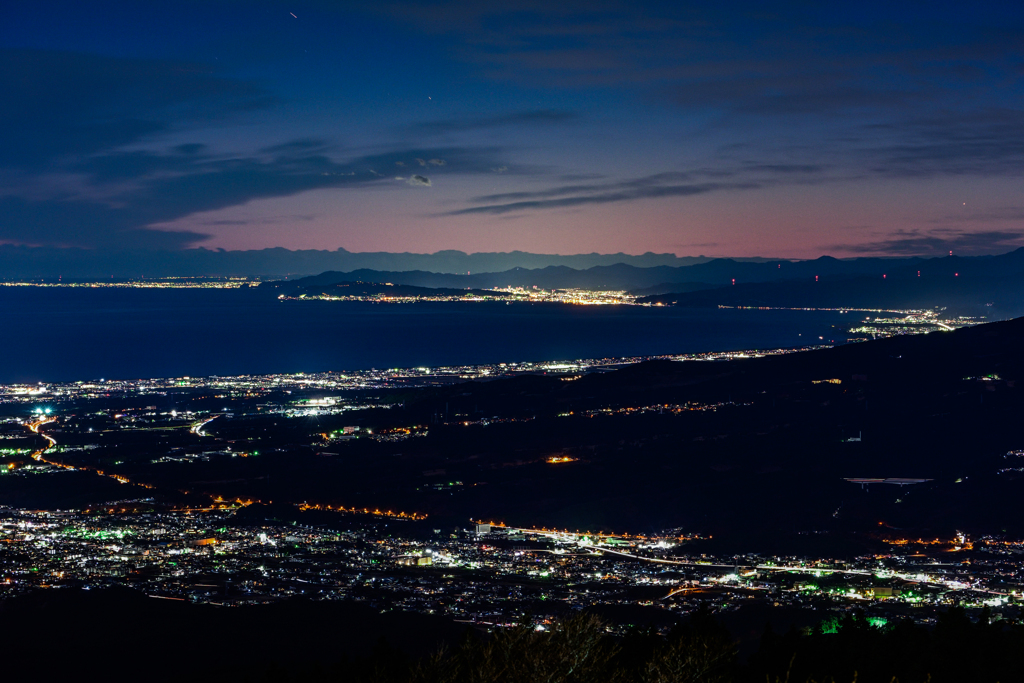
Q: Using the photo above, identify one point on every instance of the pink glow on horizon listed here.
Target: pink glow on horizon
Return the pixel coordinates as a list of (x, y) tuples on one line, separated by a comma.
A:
[(798, 222)]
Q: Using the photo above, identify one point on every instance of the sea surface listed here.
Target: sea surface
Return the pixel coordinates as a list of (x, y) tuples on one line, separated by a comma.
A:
[(66, 334)]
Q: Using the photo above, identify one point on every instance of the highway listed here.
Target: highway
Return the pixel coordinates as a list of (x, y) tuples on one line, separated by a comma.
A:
[(51, 442), (923, 579), (910, 578), (197, 428)]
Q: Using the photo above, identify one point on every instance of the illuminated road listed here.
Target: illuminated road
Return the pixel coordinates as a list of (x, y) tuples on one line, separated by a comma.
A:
[(197, 428), (564, 534), (364, 511), (574, 537), (661, 561), (38, 455), (219, 502), (910, 578)]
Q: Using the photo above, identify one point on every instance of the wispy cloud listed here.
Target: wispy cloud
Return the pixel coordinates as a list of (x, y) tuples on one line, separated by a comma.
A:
[(739, 57), (655, 186), (982, 142), (1003, 214), (63, 104), (917, 243), (265, 220), (81, 163), (652, 187), (169, 186), (522, 118), (890, 96)]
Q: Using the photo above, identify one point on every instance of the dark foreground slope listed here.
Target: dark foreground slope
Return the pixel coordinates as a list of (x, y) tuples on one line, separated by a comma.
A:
[(943, 407), (121, 636), (755, 452), (901, 363)]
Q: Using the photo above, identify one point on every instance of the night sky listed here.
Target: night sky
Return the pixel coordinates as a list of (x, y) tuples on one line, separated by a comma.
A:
[(739, 129)]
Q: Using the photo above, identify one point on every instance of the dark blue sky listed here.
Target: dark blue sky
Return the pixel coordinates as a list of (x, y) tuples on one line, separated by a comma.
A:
[(776, 129)]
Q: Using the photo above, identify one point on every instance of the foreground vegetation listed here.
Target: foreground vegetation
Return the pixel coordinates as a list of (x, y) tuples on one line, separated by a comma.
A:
[(121, 636), (578, 650)]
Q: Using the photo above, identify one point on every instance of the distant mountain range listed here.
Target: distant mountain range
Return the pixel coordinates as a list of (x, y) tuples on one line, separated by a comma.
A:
[(708, 274), (479, 269), (990, 286), (963, 282), (73, 263), (966, 282)]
